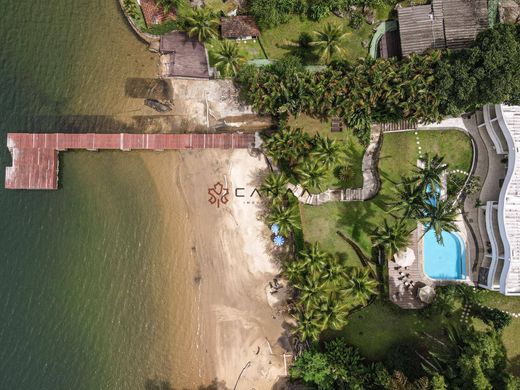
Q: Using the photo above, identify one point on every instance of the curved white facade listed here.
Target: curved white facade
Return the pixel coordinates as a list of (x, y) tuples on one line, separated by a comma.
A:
[(508, 207)]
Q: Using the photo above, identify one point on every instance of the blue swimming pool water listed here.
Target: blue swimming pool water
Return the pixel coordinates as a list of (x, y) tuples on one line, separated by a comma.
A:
[(446, 261)]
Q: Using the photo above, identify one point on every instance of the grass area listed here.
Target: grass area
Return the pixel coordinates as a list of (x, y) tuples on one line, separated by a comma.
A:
[(358, 220), (380, 326), (511, 333), (251, 49), (283, 40), (220, 5)]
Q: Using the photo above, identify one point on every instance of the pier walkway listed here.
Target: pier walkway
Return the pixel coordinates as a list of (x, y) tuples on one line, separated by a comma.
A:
[(35, 156)]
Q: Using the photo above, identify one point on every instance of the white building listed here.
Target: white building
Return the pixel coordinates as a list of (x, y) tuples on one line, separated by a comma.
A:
[(500, 269)]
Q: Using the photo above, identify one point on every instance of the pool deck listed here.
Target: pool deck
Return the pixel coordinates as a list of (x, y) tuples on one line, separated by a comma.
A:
[(408, 299)]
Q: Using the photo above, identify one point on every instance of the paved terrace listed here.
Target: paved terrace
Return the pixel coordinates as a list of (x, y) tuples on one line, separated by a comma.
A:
[(35, 156)]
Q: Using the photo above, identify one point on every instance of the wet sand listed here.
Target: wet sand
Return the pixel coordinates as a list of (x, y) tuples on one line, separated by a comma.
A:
[(221, 320)]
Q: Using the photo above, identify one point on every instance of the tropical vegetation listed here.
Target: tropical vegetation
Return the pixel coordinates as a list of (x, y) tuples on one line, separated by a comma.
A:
[(423, 88), (227, 57), (202, 23), (306, 160), (326, 289)]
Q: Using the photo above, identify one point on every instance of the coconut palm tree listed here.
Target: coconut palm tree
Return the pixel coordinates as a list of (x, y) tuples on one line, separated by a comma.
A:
[(313, 258), (360, 285), (329, 41), (287, 218), (168, 5), (332, 312), (202, 23), (410, 198), (430, 174), (287, 145), (311, 174), (440, 215), (309, 325), (274, 186), (227, 56), (392, 238), (327, 151)]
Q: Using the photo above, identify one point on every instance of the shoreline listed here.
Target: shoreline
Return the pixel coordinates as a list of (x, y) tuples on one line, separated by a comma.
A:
[(223, 315)]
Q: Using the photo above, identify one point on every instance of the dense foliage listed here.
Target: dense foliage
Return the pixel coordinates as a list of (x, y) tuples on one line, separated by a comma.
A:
[(494, 317), (326, 289), (306, 160), (464, 359), (271, 13), (418, 88), (339, 366)]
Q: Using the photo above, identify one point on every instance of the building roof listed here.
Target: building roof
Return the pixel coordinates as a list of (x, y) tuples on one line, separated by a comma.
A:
[(509, 203), (240, 26), (452, 24), (186, 56), (154, 14)]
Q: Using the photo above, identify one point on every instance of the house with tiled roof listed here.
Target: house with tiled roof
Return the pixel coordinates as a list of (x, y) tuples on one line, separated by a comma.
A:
[(241, 27), (154, 14)]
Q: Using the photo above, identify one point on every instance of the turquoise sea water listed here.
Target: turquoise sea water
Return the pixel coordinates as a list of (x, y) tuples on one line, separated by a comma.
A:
[(447, 261), (81, 279)]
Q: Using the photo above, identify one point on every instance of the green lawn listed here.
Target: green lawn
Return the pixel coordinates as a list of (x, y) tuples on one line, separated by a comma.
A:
[(512, 332), (282, 40), (251, 49), (220, 6), (398, 157), (375, 329)]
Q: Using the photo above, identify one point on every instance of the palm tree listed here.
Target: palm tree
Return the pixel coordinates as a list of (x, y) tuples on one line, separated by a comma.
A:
[(429, 175), (440, 215), (392, 238), (329, 41), (333, 312), (227, 56), (410, 199), (311, 174), (274, 185), (287, 145), (168, 5), (202, 23), (360, 285), (313, 258), (287, 218), (309, 325), (327, 151)]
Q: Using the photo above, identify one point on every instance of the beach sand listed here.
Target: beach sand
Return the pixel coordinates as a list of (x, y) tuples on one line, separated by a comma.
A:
[(222, 324)]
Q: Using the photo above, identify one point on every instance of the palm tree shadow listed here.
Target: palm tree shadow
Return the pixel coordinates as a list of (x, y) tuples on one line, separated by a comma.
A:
[(306, 54), (358, 216)]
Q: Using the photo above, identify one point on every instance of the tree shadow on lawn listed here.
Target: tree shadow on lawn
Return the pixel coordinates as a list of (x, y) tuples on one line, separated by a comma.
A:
[(357, 215), (305, 54)]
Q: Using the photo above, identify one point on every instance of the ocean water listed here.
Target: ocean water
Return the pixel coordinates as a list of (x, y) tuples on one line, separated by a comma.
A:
[(82, 276)]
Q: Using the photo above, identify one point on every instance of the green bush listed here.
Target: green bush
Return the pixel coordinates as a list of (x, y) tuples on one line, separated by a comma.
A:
[(494, 317)]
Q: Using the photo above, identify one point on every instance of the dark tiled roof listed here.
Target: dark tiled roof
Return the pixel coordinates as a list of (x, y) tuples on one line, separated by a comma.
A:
[(154, 14), (443, 24), (239, 27), (189, 59)]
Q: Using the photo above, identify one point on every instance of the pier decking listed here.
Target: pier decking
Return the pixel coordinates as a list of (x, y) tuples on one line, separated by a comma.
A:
[(35, 156)]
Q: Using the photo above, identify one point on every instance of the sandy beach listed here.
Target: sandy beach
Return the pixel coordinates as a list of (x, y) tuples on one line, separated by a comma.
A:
[(223, 328)]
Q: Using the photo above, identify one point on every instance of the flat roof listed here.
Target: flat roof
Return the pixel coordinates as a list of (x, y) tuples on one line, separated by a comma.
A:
[(189, 59)]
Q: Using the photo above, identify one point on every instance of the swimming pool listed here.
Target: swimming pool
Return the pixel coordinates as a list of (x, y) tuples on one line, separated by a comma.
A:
[(446, 261)]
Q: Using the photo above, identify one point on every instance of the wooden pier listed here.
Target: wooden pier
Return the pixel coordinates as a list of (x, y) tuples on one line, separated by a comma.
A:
[(35, 156)]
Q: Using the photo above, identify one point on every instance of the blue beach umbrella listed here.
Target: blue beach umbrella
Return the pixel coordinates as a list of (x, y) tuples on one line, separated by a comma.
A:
[(275, 228), (279, 240)]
